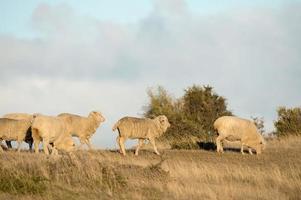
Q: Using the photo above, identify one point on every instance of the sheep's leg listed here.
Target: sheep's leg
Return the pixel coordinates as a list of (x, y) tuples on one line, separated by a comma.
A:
[(8, 144), (152, 141), (36, 146), (19, 146), (88, 142), (140, 143), (219, 147), (82, 142), (242, 148), (30, 145), (45, 146), (1, 150), (118, 143), (250, 151), (36, 139), (121, 142)]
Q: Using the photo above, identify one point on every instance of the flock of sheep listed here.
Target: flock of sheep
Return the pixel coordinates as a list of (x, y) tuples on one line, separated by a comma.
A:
[(56, 132)]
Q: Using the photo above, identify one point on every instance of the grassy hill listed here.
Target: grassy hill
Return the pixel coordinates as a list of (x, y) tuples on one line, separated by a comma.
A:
[(177, 174)]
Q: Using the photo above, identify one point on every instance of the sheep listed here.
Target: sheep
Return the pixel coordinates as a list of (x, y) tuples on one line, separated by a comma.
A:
[(51, 130), (21, 116), (63, 143), (11, 129), (83, 127), (232, 128), (141, 129)]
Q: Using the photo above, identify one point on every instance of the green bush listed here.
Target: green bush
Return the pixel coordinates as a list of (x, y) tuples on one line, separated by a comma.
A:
[(288, 122), (203, 106), (191, 116)]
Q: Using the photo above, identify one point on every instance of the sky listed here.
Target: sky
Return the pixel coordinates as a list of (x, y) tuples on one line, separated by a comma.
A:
[(77, 56)]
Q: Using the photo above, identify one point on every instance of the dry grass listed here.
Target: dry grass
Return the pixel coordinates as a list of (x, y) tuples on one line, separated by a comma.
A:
[(177, 174)]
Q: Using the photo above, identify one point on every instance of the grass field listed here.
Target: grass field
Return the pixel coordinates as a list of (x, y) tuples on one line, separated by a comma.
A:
[(177, 174)]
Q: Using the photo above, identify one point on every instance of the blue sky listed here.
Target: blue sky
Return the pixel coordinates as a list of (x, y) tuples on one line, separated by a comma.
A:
[(77, 56), (15, 16)]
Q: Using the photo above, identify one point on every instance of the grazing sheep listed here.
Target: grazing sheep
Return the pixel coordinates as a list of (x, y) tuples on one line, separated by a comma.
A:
[(50, 130), (14, 130), (141, 129), (236, 129), (63, 143), (21, 116), (83, 127)]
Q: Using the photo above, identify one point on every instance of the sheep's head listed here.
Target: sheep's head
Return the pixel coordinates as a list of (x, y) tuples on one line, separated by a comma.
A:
[(164, 123), (65, 144), (258, 149), (260, 146), (98, 116)]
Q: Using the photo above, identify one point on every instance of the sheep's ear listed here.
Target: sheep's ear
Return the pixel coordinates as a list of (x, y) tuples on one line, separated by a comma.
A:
[(94, 113), (97, 113)]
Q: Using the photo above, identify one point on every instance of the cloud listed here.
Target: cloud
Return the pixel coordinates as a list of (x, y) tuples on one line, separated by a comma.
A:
[(78, 63)]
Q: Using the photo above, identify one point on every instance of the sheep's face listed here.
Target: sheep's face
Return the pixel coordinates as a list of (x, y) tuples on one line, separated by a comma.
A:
[(163, 122), (98, 116), (67, 144), (262, 143), (260, 147)]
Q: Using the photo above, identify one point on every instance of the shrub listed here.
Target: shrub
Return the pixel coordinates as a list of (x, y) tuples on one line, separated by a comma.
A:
[(288, 122), (203, 106)]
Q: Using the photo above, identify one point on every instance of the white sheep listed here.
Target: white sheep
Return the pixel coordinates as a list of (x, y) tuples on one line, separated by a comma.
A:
[(141, 129), (51, 130), (21, 116), (14, 130), (83, 127), (237, 129)]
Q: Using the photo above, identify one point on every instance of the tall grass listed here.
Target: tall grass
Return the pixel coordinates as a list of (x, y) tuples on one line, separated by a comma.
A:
[(177, 174)]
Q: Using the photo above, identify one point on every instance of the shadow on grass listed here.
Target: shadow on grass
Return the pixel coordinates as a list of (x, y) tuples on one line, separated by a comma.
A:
[(208, 146), (211, 146)]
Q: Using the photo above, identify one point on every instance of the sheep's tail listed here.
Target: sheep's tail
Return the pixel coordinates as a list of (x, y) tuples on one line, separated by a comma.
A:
[(115, 126)]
